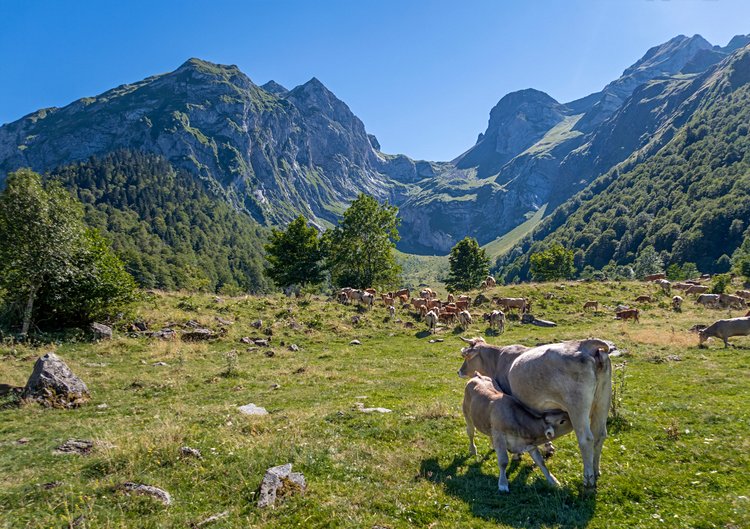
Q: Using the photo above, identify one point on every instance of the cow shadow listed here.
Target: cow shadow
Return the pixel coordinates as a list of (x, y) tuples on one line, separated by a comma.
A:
[(423, 334), (531, 503)]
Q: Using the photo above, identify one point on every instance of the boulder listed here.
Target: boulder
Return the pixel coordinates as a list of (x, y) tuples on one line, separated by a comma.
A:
[(186, 451), (163, 334), (75, 446), (198, 335), (53, 384), (355, 342), (278, 482), (252, 409), (101, 331)]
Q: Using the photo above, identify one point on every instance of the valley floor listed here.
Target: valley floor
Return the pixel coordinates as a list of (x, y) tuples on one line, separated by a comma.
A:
[(677, 455)]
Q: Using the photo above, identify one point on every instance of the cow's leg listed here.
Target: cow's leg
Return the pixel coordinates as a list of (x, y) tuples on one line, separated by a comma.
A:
[(470, 432), (539, 460), (501, 449), (582, 426)]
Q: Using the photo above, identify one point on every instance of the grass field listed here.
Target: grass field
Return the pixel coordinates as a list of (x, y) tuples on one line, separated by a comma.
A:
[(677, 455)]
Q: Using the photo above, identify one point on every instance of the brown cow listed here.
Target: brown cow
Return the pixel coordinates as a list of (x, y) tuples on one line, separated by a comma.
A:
[(728, 300), (744, 294), (654, 277), (628, 314), (510, 425), (591, 304), (644, 299), (697, 289), (575, 377)]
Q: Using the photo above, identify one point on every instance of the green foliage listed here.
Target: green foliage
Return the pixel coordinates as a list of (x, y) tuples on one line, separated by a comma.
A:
[(690, 200), (675, 272), (720, 283), (648, 262), (553, 263), (55, 270), (294, 255), (469, 266), (168, 228), (360, 250)]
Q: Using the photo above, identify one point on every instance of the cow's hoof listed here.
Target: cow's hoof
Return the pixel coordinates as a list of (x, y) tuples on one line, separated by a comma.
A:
[(589, 482), (503, 488)]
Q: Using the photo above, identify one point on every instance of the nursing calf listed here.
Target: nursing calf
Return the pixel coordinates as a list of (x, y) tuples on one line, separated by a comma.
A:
[(510, 425)]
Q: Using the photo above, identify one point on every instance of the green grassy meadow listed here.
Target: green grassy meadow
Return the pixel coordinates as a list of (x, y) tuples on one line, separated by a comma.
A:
[(677, 455)]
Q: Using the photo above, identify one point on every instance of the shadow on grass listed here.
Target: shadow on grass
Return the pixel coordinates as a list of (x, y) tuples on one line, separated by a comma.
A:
[(531, 503)]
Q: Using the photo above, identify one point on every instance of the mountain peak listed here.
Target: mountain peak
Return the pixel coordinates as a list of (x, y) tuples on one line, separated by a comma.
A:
[(275, 88), (737, 42)]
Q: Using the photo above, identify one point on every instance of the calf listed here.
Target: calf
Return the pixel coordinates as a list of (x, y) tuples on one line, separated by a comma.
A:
[(728, 300), (677, 303), (447, 317), (496, 319), (708, 300), (464, 319), (511, 426), (591, 305), (725, 329), (628, 314)]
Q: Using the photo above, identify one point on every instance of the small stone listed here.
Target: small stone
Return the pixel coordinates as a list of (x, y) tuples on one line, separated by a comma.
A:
[(75, 446), (192, 323), (362, 408), (147, 490), (222, 321), (198, 335), (102, 406), (261, 342), (101, 331), (23, 441), (275, 386), (257, 324), (270, 353), (246, 340), (163, 334), (211, 519), (355, 342), (51, 485), (159, 364), (436, 340), (252, 409), (278, 482), (674, 358), (409, 325), (294, 347), (190, 452)]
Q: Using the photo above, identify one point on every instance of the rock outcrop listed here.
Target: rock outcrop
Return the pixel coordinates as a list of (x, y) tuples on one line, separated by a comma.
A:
[(52, 383)]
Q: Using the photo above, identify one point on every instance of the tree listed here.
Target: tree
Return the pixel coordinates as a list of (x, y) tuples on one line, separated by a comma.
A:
[(48, 255), (294, 255), (555, 262), (359, 251), (469, 265), (648, 262)]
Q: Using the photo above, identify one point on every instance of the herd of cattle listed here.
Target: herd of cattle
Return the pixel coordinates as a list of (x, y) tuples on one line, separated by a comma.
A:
[(524, 397)]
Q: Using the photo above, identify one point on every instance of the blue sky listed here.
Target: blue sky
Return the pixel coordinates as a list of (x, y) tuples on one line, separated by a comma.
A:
[(422, 75)]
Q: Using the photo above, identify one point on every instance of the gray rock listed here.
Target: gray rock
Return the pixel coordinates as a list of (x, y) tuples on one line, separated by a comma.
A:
[(361, 407), (147, 490), (252, 409), (257, 324), (261, 342), (280, 481), (75, 446), (211, 519), (198, 335), (294, 347), (54, 384), (190, 452), (222, 321), (101, 331), (246, 340), (355, 342), (163, 334), (160, 364)]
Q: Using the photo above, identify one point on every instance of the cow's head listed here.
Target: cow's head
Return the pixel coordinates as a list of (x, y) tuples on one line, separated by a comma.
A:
[(556, 423), (472, 359), (702, 337)]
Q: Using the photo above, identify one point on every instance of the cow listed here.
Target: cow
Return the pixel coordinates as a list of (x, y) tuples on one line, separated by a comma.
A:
[(512, 303), (464, 319), (418, 302), (431, 319), (708, 300), (644, 299), (744, 294), (447, 317), (665, 285), (725, 329), (730, 301), (511, 426), (391, 311), (404, 292), (423, 310), (387, 299), (496, 319), (451, 298), (574, 376), (371, 291), (628, 314), (490, 282), (427, 293), (591, 305), (682, 286), (677, 303), (464, 299), (654, 277), (697, 289), (434, 304)]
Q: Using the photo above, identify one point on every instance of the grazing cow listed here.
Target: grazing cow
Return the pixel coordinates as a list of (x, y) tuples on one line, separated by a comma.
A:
[(387, 299), (418, 302), (371, 291), (434, 304), (696, 289), (591, 305), (682, 286), (677, 303), (644, 299), (363, 297), (427, 293), (725, 329), (464, 319), (343, 297), (391, 311), (447, 317), (490, 281), (496, 320), (665, 285), (462, 304), (708, 300), (423, 310), (728, 300), (511, 426), (512, 303), (464, 298), (401, 293), (574, 376), (431, 319), (654, 277), (451, 298), (628, 314)]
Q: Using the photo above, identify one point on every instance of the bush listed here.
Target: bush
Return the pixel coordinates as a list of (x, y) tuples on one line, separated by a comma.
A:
[(720, 283)]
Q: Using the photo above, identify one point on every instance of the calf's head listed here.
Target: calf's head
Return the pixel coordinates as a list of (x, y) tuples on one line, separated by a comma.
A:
[(556, 423), (472, 359)]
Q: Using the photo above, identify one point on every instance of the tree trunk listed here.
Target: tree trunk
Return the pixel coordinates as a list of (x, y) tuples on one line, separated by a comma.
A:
[(28, 311)]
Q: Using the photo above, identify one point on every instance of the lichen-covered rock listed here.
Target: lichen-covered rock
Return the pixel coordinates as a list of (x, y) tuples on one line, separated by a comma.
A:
[(278, 482), (198, 335), (53, 384), (101, 331), (147, 490), (75, 446)]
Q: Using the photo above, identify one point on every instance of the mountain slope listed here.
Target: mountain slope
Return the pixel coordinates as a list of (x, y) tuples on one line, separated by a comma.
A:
[(690, 200)]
